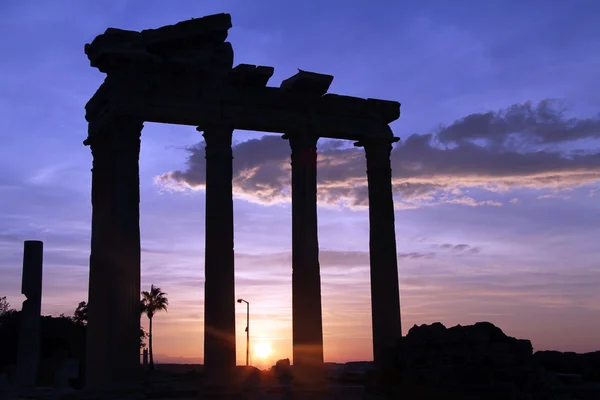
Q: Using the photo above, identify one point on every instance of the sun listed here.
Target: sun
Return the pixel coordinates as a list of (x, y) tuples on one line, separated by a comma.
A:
[(263, 350)]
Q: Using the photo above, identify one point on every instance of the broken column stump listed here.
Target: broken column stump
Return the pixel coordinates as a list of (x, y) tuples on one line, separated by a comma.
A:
[(29, 334)]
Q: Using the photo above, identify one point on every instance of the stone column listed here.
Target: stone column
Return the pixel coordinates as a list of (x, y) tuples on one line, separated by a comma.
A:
[(112, 355), (307, 324), (29, 334), (385, 296), (219, 284)]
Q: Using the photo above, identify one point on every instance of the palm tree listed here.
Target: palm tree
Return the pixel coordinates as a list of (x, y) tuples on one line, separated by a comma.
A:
[(153, 301)]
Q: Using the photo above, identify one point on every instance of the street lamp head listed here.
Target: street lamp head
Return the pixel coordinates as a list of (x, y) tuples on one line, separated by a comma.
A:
[(239, 300)]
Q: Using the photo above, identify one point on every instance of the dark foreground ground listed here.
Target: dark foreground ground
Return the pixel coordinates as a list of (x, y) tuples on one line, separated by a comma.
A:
[(184, 382), (431, 362)]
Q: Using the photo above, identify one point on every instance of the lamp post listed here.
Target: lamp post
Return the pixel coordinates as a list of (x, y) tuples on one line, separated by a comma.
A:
[(247, 330)]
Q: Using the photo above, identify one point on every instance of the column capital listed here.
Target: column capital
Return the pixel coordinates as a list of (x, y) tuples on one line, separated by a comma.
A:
[(377, 152), (214, 129), (114, 133), (301, 141), (376, 145), (217, 139)]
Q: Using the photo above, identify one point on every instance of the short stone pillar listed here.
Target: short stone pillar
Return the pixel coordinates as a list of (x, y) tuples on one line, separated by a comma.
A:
[(219, 283), (67, 371), (28, 356), (385, 293), (307, 323), (145, 358)]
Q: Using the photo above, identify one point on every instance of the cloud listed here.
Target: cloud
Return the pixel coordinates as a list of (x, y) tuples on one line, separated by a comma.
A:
[(542, 123), (553, 196), (458, 248), (327, 258), (494, 151), (154, 251)]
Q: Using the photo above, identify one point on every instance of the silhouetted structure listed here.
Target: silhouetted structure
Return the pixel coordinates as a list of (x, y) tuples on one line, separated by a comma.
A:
[(60, 339), (183, 74), (28, 356), (481, 362)]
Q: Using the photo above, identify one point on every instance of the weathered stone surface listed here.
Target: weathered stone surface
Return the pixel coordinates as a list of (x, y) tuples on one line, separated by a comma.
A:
[(219, 286), (197, 44), (307, 322), (190, 33), (182, 74), (29, 334), (385, 296), (387, 110), (247, 75), (258, 109), (112, 355), (477, 358), (309, 83)]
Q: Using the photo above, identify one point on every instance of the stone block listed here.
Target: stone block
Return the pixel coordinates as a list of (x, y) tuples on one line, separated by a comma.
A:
[(212, 28), (250, 75), (306, 82)]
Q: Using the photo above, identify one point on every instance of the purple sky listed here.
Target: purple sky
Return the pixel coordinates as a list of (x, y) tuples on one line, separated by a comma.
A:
[(496, 176)]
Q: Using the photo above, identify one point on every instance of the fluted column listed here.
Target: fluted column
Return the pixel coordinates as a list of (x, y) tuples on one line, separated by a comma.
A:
[(385, 296), (307, 324), (112, 355), (219, 285)]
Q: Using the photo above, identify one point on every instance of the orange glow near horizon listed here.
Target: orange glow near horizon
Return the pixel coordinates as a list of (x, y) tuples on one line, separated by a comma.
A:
[(178, 338)]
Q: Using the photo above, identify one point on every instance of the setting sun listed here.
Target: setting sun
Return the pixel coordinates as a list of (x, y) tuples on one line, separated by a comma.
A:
[(262, 350)]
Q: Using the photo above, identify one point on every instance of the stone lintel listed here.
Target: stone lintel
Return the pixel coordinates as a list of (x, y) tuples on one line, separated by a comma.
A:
[(388, 109), (382, 141), (249, 110), (310, 83)]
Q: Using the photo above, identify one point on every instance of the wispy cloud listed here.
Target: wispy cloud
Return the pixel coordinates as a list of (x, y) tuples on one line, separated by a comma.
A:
[(458, 248)]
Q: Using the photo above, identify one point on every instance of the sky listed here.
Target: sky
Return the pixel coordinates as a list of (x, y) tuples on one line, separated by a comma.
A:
[(496, 177)]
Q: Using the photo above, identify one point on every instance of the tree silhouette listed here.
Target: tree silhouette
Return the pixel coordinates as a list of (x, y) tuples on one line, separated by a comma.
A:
[(153, 301), (4, 306), (80, 317)]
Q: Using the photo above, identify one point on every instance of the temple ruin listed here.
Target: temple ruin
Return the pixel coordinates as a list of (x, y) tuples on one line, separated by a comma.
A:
[(183, 74)]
